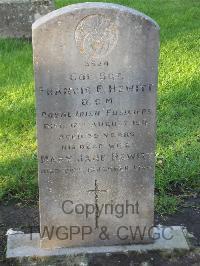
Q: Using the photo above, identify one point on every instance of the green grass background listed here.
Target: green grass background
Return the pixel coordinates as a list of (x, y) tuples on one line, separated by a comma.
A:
[(178, 135)]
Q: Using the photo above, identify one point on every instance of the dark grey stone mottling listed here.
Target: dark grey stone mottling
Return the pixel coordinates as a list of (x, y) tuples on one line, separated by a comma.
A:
[(17, 16)]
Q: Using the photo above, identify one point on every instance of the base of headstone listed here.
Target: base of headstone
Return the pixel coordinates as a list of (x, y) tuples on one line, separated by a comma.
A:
[(22, 246)]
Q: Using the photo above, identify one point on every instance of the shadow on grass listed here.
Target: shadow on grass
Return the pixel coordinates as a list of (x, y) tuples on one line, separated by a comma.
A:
[(19, 179), (16, 121), (16, 64)]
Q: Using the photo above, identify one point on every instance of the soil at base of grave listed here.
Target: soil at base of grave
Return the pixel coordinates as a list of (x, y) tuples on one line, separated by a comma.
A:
[(21, 218)]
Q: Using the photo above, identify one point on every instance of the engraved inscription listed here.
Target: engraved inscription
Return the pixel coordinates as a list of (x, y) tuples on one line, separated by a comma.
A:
[(96, 81), (99, 89), (96, 35)]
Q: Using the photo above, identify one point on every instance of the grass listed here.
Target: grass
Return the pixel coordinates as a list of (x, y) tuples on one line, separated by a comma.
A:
[(178, 135)]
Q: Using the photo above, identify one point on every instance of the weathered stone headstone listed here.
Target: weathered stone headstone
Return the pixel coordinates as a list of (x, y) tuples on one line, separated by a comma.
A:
[(17, 16), (96, 82)]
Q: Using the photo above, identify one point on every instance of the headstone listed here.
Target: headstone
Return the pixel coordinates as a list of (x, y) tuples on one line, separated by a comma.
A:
[(17, 16), (96, 82)]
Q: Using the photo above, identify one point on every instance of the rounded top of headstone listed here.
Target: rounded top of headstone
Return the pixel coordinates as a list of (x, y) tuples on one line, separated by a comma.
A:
[(92, 6)]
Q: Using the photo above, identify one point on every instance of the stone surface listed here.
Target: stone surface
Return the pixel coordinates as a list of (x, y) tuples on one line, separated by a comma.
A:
[(17, 16), (26, 245), (96, 82)]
